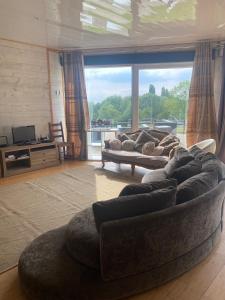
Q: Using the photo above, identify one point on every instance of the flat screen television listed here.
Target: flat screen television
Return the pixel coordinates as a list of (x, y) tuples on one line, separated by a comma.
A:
[(23, 134)]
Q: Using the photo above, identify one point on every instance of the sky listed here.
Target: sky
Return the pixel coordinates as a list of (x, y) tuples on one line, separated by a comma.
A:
[(104, 82)]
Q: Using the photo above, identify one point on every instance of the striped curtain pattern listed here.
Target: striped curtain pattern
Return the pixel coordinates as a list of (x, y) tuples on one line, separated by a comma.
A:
[(77, 114), (201, 116)]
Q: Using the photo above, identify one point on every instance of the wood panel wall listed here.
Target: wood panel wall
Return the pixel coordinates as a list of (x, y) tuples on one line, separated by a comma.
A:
[(56, 89), (24, 87)]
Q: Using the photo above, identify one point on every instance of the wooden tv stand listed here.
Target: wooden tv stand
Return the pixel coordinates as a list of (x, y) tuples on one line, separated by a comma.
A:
[(28, 158)]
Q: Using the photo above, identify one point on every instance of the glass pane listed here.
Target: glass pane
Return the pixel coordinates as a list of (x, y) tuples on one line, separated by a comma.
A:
[(109, 100), (163, 98)]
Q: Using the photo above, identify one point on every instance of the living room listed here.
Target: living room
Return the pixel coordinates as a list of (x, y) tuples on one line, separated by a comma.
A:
[(112, 149)]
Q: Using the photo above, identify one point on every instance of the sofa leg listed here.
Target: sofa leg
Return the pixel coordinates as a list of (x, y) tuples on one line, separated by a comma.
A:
[(132, 169), (103, 164)]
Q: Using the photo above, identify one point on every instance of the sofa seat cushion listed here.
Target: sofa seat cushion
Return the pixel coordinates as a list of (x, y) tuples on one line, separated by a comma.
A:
[(142, 188), (133, 205), (196, 186), (82, 239), (153, 162)]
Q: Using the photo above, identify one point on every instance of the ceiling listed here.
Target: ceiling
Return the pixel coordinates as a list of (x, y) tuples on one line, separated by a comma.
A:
[(91, 24)]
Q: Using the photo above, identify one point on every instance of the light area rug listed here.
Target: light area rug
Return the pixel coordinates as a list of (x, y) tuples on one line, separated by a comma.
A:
[(33, 207)]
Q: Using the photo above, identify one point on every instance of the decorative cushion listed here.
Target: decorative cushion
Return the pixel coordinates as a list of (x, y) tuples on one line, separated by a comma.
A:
[(107, 145), (142, 188), (148, 148), (211, 163), (128, 145), (143, 138), (82, 239), (181, 157), (154, 175), (158, 151), (182, 173), (123, 137), (157, 133), (169, 147), (168, 140), (196, 186), (134, 136), (115, 144), (133, 205)]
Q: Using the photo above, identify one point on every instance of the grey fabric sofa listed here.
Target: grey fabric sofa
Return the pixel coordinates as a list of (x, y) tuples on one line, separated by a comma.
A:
[(128, 256)]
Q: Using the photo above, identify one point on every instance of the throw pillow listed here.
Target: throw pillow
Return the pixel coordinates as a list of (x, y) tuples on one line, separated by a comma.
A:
[(128, 145), (107, 145), (143, 138), (196, 186), (182, 173), (157, 133), (181, 158), (213, 165), (169, 147), (168, 140), (133, 205), (123, 137), (148, 148), (157, 151), (115, 144), (142, 188)]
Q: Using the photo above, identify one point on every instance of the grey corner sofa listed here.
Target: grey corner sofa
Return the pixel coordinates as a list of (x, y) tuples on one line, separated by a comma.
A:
[(130, 255), (136, 158)]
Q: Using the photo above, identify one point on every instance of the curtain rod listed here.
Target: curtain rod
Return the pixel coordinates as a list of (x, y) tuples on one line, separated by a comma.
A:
[(140, 49)]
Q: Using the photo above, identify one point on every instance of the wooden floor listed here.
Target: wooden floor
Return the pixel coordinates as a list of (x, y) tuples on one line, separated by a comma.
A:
[(205, 282)]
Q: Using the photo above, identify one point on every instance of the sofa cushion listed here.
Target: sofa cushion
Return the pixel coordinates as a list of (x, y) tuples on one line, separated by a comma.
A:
[(211, 163), (82, 238), (157, 133), (168, 148), (128, 145), (115, 144), (133, 205), (196, 186), (123, 137), (182, 173), (168, 140), (143, 138), (142, 188), (180, 158), (154, 175), (148, 148)]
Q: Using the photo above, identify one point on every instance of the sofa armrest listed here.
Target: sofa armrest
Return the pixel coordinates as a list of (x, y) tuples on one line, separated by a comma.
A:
[(138, 244)]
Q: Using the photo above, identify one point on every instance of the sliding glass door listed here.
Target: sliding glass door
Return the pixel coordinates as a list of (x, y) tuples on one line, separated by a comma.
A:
[(163, 98), (109, 99)]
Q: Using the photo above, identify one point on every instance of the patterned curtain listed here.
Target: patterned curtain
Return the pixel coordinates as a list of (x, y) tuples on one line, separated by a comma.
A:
[(221, 117), (77, 114), (201, 116)]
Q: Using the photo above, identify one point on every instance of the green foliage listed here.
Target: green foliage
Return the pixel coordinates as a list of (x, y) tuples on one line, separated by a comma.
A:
[(151, 89), (171, 104)]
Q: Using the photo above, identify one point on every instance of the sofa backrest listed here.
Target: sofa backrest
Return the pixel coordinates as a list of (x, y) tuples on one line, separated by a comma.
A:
[(138, 244)]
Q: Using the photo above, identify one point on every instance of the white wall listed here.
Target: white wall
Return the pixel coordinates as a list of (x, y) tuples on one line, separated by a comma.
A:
[(24, 88)]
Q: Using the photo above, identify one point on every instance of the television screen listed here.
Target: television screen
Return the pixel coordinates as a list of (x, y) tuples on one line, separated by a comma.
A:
[(23, 134)]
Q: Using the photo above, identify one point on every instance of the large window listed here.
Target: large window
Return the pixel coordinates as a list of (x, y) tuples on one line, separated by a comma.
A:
[(151, 96)]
